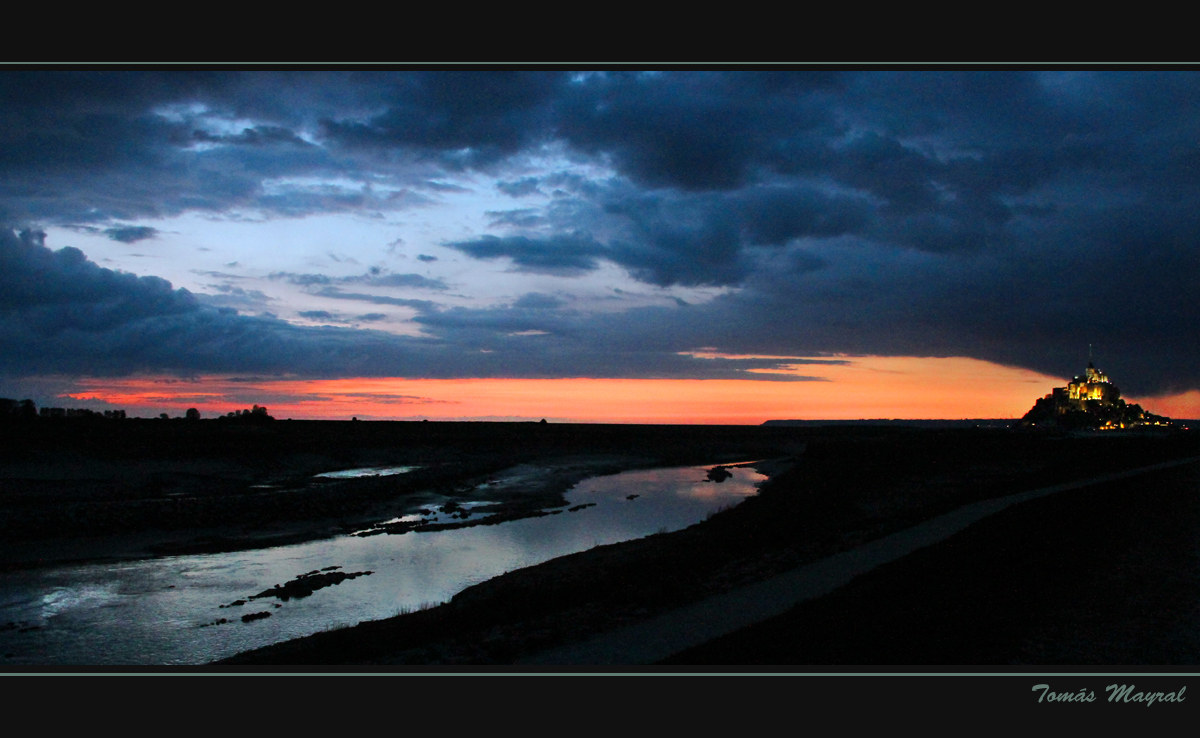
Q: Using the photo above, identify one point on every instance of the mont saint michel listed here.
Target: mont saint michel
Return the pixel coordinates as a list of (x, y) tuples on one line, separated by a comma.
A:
[(1089, 402)]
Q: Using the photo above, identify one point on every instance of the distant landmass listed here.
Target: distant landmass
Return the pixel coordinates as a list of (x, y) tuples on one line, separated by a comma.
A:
[(909, 422)]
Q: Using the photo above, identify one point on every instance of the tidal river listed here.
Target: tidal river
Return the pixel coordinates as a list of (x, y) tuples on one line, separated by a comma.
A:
[(169, 610)]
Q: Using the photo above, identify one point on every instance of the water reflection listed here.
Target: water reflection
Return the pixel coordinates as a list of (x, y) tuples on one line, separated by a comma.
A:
[(369, 471), (436, 514), (162, 611)]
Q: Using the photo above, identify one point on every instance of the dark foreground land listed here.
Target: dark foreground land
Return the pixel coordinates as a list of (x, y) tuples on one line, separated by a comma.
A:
[(1106, 574)]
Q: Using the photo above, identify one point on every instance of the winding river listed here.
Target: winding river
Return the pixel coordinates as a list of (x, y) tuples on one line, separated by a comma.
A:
[(190, 609)]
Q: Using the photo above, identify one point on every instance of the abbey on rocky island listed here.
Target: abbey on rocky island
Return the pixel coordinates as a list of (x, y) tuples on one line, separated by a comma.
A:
[(1089, 402)]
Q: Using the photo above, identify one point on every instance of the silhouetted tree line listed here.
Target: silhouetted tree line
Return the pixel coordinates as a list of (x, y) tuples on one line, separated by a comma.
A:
[(13, 410), (257, 415), (26, 410), (19, 410)]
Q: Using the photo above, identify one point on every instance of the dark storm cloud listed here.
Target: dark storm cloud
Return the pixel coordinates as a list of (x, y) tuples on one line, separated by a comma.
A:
[(622, 345), (698, 131), (231, 296), (461, 119), (256, 136), (1011, 216), (338, 318), (1036, 313), (374, 278), (520, 187), (63, 313), (54, 289), (520, 218), (403, 280), (60, 313), (130, 234), (538, 301), (217, 275), (706, 239), (337, 294), (303, 280), (56, 121), (79, 147), (564, 254), (667, 239)]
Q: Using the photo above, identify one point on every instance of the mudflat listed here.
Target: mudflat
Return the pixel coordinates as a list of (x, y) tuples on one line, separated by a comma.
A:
[(92, 489), (849, 486)]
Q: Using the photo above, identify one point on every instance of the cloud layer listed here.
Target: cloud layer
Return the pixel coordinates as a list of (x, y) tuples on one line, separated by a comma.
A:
[(63, 314), (1008, 216)]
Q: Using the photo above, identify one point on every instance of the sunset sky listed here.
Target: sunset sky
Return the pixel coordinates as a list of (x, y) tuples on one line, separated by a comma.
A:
[(597, 246)]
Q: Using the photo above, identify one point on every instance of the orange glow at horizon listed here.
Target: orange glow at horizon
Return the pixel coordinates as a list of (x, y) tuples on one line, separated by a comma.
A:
[(864, 387), (1182, 405)]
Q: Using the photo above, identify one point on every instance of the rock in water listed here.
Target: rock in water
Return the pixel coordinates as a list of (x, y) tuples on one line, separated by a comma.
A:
[(719, 474)]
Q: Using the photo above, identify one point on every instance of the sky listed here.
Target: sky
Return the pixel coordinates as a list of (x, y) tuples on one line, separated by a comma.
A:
[(598, 246)]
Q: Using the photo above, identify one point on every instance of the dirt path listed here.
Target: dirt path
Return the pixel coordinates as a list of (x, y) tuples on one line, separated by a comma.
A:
[(660, 637)]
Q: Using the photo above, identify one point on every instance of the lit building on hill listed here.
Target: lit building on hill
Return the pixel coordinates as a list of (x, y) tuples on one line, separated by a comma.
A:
[(1093, 385), (1089, 402)]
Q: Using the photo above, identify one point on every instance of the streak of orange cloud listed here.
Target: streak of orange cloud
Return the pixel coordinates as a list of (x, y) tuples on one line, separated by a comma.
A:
[(864, 387)]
